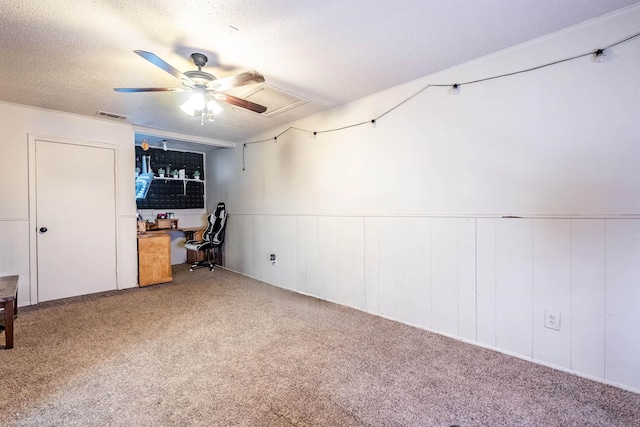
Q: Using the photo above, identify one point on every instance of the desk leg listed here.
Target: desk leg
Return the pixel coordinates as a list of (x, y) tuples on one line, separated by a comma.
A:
[(8, 324)]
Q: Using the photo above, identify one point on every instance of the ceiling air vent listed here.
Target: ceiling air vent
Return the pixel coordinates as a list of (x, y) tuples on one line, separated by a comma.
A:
[(276, 100), (111, 115)]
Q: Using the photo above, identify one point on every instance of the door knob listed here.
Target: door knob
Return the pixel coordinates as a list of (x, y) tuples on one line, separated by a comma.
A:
[(43, 229)]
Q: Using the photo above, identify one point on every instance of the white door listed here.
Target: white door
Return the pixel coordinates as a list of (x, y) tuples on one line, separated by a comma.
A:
[(76, 219)]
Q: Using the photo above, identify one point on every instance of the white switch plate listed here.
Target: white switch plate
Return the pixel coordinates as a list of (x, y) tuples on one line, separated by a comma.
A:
[(552, 320)]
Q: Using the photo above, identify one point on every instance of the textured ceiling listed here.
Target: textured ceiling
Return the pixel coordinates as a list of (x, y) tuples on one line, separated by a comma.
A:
[(68, 55)]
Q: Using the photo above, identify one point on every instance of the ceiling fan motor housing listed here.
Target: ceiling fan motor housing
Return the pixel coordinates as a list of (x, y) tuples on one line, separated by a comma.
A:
[(200, 78), (199, 59)]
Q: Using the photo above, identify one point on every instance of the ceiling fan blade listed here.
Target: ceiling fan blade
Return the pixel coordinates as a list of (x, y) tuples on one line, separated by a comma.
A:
[(160, 63), (239, 102), (151, 89), (247, 78)]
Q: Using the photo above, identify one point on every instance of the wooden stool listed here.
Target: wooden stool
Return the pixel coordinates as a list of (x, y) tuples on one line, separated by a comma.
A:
[(9, 301)]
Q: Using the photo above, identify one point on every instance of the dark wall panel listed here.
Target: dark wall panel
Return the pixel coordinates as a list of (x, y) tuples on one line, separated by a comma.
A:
[(173, 193)]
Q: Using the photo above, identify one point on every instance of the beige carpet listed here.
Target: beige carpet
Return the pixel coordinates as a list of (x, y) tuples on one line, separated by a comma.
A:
[(217, 348)]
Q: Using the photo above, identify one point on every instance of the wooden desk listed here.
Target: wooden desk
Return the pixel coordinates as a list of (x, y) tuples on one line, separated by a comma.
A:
[(190, 233), (186, 230), (154, 258), (9, 301)]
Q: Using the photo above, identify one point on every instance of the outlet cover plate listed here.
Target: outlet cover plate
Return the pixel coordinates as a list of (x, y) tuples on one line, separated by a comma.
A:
[(552, 319)]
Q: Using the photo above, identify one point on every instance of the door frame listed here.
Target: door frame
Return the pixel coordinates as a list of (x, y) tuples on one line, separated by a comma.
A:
[(33, 220)]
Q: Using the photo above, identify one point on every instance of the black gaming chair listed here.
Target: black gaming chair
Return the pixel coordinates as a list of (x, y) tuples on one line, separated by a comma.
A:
[(212, 238)]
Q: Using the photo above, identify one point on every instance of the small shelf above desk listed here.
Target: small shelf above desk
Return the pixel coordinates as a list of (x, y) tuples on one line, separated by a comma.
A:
[(162, 224), (170, 178)]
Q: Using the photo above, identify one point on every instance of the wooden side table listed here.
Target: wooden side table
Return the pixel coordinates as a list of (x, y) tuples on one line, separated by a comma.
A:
[(9, 301)]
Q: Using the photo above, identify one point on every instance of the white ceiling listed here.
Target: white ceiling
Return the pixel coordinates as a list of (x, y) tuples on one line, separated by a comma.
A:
[(68, 55)]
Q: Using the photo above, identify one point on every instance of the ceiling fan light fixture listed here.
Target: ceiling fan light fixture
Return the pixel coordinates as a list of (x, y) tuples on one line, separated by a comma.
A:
[(195, 103), (213, 107), (188, 108)]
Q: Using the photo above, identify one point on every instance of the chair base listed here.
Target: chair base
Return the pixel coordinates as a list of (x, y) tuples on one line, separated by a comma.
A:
[(202, 264), (209, 262)]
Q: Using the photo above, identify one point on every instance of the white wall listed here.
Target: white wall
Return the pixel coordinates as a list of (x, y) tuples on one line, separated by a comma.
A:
[(405, 220), (16, 123)]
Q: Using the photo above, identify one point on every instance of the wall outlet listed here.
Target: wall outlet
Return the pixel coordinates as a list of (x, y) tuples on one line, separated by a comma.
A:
[(273, 259), (552, 320)]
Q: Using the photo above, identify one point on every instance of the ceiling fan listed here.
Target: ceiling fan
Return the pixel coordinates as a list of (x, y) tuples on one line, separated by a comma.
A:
[(206, 88)]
